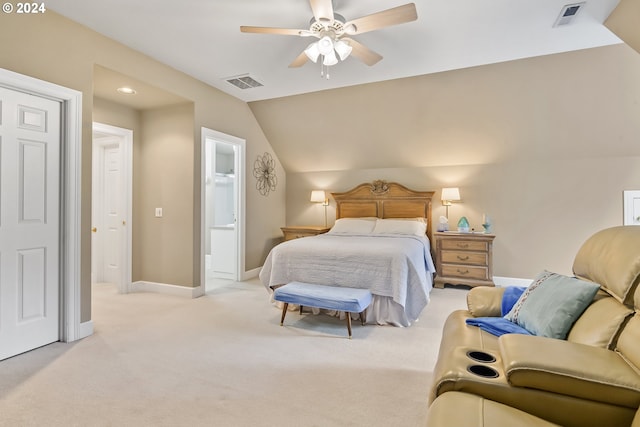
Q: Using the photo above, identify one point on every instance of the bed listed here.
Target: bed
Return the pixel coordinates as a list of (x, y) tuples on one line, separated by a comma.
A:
[(380, 241)]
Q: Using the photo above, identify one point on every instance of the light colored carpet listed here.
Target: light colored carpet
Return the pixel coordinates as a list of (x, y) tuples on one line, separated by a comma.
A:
[(223, 360)]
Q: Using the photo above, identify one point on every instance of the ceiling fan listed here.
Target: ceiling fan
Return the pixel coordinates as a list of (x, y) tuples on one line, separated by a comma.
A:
[(334, 33)]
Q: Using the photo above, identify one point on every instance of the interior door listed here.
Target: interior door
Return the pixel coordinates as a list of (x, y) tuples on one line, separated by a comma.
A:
[(29, 221), (110, 225), (111, 206)]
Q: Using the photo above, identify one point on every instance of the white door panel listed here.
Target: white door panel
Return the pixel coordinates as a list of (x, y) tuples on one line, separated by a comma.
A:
[(29, 221), (111, 206), (113, 240)]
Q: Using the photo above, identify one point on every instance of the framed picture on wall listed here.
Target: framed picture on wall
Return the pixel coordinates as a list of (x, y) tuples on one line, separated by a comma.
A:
[(632, 207)]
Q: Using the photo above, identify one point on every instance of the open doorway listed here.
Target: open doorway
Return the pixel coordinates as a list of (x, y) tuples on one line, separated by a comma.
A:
[(222, 208), (111, 209)]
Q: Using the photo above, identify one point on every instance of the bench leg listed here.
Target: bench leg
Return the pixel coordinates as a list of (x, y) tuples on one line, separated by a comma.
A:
[(284, 312), (348, 315), (363, 316)]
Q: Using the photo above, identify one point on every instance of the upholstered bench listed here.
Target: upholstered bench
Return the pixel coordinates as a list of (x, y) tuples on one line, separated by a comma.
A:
[(349, 300)]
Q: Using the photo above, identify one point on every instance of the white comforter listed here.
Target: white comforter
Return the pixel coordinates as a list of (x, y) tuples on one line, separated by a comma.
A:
[(396, 267)]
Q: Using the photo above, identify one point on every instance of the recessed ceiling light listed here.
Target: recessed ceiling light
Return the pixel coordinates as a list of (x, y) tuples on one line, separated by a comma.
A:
[(127, 90)]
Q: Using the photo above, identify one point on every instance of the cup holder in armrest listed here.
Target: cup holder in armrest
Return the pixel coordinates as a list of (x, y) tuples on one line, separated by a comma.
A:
[(481, 356), (483, 371)]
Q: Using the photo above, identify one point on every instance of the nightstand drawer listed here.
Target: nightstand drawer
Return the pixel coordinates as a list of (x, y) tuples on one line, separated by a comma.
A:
[(462, 257), (465, 272), (465, 245)]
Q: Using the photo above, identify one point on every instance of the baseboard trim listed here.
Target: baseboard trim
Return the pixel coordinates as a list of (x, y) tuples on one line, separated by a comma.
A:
[(85, 329), (511, 281), (251, 273), (164, 288)]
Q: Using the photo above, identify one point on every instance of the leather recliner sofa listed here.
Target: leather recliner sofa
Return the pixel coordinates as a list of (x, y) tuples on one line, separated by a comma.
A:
[(591, 378)]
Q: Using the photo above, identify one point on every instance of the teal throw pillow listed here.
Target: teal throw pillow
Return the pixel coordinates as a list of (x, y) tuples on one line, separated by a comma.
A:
[(551, 304)]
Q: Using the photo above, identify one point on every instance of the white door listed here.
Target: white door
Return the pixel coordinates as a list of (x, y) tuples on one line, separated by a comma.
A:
[(110, 223), (111, 206), (29, 222)]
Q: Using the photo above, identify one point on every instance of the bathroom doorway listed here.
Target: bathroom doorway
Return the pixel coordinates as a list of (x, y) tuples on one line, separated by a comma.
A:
[(223, 204)]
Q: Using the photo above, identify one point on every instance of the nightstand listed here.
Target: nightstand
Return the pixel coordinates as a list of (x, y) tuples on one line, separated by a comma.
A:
[(297, 231), (464, 259)]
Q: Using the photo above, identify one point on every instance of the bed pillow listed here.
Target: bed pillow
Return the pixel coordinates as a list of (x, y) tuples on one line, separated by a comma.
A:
[(400, 226), (551, 304), (353, 226)]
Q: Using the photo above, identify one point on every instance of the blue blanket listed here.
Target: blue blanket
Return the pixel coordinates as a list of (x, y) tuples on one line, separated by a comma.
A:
[(499, 325), (510, 296)]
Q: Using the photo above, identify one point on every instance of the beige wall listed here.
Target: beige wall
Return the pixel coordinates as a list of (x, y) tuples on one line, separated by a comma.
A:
[(545, 146), (623, 21), (542, 211), (164, 179), (52, 48), (162, 163)]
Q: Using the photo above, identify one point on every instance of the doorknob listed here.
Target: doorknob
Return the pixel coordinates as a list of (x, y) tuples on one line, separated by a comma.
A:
[(94, 230)]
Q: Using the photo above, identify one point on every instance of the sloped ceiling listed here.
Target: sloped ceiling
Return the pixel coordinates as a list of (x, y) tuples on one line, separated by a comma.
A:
[(466, 116), (624, 21), (549, 106), (203, 38)]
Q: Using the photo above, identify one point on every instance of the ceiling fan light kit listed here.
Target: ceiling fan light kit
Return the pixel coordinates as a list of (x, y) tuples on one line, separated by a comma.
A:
[(343, 49), (331, 28)]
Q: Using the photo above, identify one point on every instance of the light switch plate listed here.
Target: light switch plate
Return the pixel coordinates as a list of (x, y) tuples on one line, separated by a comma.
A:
[(158, 212)]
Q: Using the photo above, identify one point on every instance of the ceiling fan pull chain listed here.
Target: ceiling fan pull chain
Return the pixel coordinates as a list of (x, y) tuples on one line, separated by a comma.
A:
[(324, 71)]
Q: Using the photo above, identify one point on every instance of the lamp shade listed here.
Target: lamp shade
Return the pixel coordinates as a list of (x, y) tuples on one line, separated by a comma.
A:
[(330, 59), (450, 194), (312, 51), (343, 49), (318, 196)]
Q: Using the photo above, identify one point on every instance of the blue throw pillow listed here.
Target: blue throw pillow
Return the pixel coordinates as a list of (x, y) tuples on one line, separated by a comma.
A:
[(551, 304)]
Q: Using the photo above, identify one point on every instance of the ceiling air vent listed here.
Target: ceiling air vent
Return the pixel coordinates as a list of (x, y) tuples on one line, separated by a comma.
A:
[(244, 81), (567, 13)]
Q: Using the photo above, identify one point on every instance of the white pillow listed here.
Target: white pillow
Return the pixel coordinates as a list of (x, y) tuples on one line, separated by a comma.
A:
[(400, 226), (353, 225)]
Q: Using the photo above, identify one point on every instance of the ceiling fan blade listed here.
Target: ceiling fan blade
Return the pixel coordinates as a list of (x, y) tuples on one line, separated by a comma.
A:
[(322, 9), (299, 61), (385, 18), (273, 30), (363, 53)]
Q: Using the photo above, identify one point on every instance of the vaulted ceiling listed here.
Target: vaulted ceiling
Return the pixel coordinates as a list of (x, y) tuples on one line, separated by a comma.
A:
[(315, 124), (203, 38)]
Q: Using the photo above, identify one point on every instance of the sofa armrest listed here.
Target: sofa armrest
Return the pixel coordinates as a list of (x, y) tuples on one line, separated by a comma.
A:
[(485, 301), (569, 368)]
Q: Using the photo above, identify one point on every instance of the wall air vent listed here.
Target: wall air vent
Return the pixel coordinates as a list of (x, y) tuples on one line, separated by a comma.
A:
[(243, 81), (567, 13)]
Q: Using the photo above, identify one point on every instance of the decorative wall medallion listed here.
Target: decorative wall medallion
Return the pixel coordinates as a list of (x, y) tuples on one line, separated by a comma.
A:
[(379, 187), (264, 170)]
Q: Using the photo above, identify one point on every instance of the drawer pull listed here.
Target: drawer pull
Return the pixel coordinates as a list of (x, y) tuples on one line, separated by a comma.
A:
[(462, 271), (463, 258), (463, 245)]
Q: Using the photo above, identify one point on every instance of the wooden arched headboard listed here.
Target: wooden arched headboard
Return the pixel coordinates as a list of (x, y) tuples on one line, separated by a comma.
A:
[(383, 199)]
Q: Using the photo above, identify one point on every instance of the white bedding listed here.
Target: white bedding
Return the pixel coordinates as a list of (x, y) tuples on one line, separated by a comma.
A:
[(398, 270)]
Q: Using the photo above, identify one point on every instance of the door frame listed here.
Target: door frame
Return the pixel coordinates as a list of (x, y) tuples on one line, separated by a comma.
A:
[(210, 134), (71, 326), (125, 137)]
